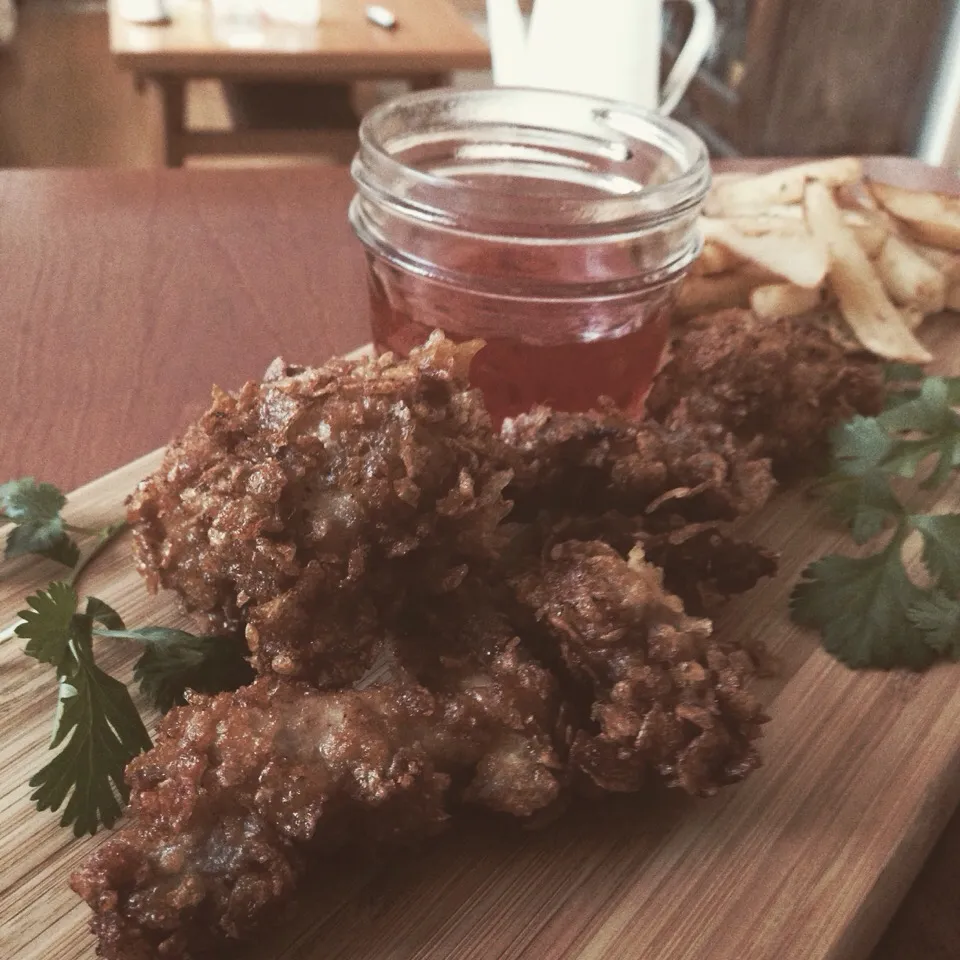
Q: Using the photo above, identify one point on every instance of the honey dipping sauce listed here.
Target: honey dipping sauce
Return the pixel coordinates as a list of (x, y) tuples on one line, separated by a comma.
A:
[(516, 371), (555, 227)]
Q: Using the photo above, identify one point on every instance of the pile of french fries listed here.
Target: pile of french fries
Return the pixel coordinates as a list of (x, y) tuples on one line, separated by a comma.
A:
[(818, 237)]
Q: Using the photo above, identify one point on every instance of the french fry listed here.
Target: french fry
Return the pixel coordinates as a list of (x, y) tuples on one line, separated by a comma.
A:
[(706, 294), (798, 257), (838, 330), (761, 224), (731, 176), (786, 300), (864, 304), (953, 297), (854, 196), (910, 280), (945, 261), (719, 180), (714, 259), (930, 217), (871, 231), (912, 317), (783, 186)]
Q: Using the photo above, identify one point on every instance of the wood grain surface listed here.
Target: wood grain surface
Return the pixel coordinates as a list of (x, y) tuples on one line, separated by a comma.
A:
[(430, 37), (124, 297), (874, 63)]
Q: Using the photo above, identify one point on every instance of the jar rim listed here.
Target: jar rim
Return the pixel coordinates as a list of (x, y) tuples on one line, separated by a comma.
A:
[(425, 194)]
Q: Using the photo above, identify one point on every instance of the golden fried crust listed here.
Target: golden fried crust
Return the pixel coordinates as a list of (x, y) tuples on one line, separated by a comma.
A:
[(780, 384), (240, 791), (499, 702), (590, 463), (702, 563), (243, 791), (297, 489), (358, 508), (669, 698)]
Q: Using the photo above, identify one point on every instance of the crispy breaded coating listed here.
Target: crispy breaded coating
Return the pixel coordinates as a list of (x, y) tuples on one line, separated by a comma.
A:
[(237, 795), (705, 566), (244, 791), (779, 384), (590, 463), (670, 699), (526, 590), (286, 498), (702, 563), (498, 699)]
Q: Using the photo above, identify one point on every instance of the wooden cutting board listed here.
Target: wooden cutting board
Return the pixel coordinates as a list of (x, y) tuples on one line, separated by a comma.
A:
[(806, 860)]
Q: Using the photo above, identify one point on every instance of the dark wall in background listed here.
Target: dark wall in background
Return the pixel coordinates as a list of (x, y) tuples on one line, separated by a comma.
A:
[(820, 77)]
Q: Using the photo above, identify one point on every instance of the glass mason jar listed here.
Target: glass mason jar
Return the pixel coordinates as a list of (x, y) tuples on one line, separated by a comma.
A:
[(556, 227)]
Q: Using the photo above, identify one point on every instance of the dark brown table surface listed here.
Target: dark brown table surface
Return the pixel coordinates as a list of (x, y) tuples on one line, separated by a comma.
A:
[(125, 295)]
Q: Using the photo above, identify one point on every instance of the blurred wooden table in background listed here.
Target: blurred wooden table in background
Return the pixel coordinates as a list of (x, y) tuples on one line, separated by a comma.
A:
[(430, 40)]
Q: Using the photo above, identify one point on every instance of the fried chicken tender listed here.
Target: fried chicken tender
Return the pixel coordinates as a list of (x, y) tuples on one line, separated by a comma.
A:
[(780, 385), (705, 566), (240, 790), (670, 699), (464, 648), (244, 792), (590, 463), (293, 507), (702, 563)]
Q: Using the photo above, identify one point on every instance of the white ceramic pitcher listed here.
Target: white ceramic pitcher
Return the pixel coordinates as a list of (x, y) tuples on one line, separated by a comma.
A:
[(608, 48)]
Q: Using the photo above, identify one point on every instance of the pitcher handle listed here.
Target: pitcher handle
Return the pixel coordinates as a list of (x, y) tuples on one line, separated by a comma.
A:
[(691, 56)]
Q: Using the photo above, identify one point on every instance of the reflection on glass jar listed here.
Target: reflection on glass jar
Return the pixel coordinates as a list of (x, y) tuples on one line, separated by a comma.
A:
[(554, 226)]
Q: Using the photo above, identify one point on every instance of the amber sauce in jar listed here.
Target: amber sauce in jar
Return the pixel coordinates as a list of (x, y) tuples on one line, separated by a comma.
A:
[(516, 374), (554, 227)]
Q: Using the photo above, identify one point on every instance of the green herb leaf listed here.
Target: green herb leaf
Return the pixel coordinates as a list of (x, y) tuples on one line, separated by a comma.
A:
[(938, 617), (860, 446), (101, 612), (46, 540), (858, 489), (861, 607), (931, 413), (46, 624), (866, 503), (34, 508), (97, 729), (25, 500), (175, 661), (941, 547), (905, 380)]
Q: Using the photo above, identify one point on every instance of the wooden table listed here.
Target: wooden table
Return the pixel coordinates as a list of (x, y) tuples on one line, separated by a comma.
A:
[(431, 39), (127, 294)]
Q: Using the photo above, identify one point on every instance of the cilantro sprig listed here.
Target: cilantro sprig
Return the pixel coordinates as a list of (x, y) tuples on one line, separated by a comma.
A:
[(97, 728), (174, 661), (868, 609), (34, 510)]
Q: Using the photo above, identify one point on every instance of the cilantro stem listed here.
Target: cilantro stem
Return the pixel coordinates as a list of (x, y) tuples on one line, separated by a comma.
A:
[(106, 536), (85, 531)]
